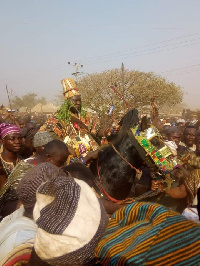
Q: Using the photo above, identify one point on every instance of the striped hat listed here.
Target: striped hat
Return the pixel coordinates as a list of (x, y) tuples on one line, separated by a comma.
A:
[(7, 129), (71, 221), (149, 234), (31, 181)]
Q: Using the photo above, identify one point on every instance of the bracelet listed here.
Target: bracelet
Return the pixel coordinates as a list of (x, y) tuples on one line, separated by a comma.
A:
[(81, 158)]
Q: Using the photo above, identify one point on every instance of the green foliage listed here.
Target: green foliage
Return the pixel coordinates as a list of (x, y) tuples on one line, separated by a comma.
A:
[(29, 101), (64, 111), (83, 112)]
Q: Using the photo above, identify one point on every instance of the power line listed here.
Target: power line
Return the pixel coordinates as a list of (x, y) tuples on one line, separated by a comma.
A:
[(184, 72), (143, 54), (169, 40), (134, 54), (180, 68), (76, 73)]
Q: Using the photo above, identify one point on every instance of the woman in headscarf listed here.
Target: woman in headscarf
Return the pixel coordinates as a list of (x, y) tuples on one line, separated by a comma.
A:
[(11, 141)]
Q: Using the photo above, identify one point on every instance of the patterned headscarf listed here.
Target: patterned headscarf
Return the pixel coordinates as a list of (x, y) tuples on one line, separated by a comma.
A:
[(71, 218), (7, 129), (29, 184)]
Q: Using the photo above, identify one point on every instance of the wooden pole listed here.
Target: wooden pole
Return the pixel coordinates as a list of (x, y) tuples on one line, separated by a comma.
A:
[(8, 96), (122, 68)]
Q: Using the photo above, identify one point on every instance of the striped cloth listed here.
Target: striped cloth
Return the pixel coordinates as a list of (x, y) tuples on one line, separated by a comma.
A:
[(149, 234), (192, 183), (71, 221), (20, 255), (7, 129), (16, 175)]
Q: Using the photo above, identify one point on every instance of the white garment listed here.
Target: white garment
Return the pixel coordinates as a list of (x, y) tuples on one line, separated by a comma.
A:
[(191, 214), (15, 229), (172, 146)]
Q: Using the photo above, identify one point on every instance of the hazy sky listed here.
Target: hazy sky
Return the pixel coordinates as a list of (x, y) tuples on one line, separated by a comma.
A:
[(39, 37)]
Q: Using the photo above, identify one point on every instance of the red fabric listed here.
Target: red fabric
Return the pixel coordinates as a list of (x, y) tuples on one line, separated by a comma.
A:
[(24, 257)]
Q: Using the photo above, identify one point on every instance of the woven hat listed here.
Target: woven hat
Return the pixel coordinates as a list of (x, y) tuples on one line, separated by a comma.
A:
[(29, 184), (69, 88), (42, 138), (71, 221)]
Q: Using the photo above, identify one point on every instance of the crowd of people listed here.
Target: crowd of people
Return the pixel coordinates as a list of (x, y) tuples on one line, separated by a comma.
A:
[(53, 213)]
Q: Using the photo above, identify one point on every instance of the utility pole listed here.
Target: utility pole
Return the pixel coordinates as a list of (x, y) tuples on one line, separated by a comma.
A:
[(122, 68), (76, 73), (8, 96)]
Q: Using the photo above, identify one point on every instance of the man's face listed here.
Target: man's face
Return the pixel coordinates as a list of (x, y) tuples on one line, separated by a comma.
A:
[(22, 124), (76, 100), (59, 159), (190, 134), (175, 136), (12, 142), (198, 145)]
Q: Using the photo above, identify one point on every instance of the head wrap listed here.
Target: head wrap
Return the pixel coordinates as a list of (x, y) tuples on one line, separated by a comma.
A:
[(29, 184), (69, 88), (149, 234), (42, 138), (7, 129), (71, 218)]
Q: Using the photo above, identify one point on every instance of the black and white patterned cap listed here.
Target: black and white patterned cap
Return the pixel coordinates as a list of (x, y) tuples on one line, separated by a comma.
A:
[(71, 218)]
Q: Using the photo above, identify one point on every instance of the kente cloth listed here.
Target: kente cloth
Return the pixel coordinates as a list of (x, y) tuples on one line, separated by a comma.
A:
[(193, 160), (71, 218), (149, 234), (192, 183), (7, 129), (20, 255), (42, 138), (8, 191), (78, 133), (29, 184), (15, 230)]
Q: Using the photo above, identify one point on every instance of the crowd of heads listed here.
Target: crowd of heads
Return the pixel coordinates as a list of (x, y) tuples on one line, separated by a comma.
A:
[(69, 216)]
